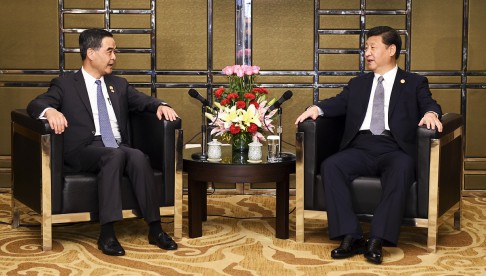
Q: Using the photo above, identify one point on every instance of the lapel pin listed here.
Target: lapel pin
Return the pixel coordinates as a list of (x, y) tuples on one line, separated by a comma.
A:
[(112, 89), (402, 81)]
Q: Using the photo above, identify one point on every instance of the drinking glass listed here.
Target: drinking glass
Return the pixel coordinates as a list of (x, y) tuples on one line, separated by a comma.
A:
[(273, 142)]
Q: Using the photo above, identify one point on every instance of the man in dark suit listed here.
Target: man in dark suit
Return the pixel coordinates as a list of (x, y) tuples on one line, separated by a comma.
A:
[(91, 108), (383, 109)]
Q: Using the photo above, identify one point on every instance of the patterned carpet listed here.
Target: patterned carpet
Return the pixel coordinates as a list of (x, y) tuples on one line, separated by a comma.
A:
[(232, 246)]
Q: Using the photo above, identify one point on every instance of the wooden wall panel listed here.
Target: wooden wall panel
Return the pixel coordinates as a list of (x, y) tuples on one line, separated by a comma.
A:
[(29, 35), (436, 35), (283, 39), (181, 35)]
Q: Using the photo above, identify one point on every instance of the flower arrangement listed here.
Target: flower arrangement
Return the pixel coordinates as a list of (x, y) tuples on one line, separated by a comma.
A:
[(241, 108)]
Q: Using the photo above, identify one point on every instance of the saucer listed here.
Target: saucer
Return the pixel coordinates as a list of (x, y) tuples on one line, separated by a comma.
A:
[(254, 161), (214, 160)]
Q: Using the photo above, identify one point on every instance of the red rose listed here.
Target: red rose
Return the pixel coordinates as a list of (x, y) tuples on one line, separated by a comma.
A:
[(224, 102), (249, 96), (252, 128), (219, 92), (232, 96), (234, 129), (260, 90), (256, 104), (240, 104)]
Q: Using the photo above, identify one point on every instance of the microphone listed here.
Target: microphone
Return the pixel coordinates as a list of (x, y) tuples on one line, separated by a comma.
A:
[(193, 93), (202, 155), (287, 95)]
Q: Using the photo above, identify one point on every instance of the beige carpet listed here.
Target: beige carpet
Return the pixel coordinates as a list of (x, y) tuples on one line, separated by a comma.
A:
[(232, 246)]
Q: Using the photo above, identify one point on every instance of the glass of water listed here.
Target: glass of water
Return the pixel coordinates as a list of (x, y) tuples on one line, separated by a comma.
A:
[(273, 142)]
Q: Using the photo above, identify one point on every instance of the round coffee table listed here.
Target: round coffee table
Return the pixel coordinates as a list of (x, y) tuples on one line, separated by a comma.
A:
[(237, 169)]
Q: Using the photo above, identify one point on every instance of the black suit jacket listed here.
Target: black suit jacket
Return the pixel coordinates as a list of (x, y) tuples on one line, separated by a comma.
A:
[(68, 95), (410, 100)]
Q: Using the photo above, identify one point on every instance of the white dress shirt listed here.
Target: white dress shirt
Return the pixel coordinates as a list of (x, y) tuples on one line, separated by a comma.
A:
[(92, 87), (388, 80)]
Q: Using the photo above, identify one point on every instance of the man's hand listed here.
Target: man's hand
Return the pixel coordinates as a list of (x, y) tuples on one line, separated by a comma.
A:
[(431, 121), (311, 112), (166, 112), (56, 120)]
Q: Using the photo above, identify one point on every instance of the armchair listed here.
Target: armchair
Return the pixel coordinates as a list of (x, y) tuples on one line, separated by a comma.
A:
[(39, 183), (433, 197)]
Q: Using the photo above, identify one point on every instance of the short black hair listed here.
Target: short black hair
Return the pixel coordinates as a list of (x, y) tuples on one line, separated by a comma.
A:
[(389, 36), (91, 38)]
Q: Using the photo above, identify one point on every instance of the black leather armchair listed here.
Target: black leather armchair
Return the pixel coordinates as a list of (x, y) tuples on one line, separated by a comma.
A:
[(434, 196), (40, 184)]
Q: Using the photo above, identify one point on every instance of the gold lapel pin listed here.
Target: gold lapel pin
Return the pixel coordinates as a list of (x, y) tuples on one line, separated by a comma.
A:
[(402, 81), (112, 89)]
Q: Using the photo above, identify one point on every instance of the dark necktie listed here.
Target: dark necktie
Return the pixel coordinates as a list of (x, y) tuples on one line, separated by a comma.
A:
[(105, 128), (378, 113)]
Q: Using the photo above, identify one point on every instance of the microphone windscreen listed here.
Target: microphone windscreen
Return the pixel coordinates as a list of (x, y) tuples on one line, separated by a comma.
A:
[(193, 93), (287, 95)]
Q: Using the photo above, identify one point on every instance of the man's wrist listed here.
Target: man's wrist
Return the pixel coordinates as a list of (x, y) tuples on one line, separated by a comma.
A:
[(435, 113), (320, 112)]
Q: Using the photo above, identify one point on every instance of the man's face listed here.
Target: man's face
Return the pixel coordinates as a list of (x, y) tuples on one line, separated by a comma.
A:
[(103, 59), (380, 58)]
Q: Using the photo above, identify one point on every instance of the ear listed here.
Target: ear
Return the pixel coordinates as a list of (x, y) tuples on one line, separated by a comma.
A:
[(89, 53), (393, 49)]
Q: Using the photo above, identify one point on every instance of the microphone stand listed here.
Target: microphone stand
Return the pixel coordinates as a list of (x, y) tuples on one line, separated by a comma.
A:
[(279, 131), (204, 152), (285, 155)]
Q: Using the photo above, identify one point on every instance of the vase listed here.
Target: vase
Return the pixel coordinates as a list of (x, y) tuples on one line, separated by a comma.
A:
[(240, 141)]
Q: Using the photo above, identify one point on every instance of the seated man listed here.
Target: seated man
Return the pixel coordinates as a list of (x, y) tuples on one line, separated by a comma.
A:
[(91, 108), (383, 109)]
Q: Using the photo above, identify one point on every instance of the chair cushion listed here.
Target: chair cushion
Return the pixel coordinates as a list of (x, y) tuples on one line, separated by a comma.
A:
[(80, 193), (371, 187)]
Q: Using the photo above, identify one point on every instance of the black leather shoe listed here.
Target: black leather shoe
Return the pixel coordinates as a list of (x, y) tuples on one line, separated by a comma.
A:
[(163, 241), (373, 251), (348, 248), (110, 246)]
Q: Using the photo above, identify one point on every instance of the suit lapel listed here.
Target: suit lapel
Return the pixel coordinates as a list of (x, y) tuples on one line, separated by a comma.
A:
[(365, 96), (398, 85), (80, 86), (112, 93)]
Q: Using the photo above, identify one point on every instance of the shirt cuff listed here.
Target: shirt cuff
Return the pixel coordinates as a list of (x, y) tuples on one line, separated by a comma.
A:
[(41, 116)]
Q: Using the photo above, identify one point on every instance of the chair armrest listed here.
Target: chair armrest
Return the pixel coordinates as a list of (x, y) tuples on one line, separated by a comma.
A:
[(321, 139), (29, 138), (22, 118), (156, 138), (450, 123)]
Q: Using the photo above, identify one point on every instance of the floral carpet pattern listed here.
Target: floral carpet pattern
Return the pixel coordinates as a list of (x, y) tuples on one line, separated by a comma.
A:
[(238, 239)]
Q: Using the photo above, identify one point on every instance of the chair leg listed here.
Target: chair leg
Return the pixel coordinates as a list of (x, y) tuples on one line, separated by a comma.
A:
[(432, 238), (178, 208), (178, 189), (46, 231), (299, 189), (15, 216), (433, 214), (457, 219), (46, 196)]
